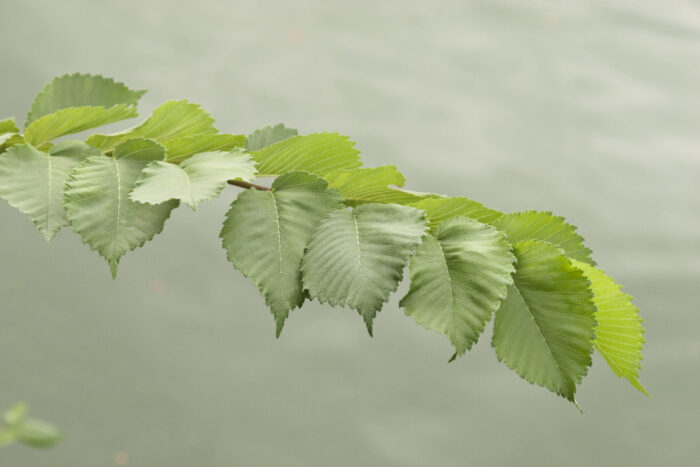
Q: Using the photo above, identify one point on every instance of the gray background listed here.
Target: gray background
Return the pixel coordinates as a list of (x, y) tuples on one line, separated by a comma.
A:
[(587, 108)]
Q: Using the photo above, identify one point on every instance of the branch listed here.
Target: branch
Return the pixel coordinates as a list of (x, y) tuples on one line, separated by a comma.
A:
[(243, 184)]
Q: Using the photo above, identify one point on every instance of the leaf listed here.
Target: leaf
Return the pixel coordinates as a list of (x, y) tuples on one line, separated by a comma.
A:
[(199, 178), (545, 328), (16, 413), (179, 149), (32, 181), (36, 433), (74, 120), (359, 186), (268, 135), (9, 134), (545, 227), (356, 257), (174, 119), (438, 210), (319, 153), (97, 201), (266, 232), (459, 277), (619, 331), (80, 90), (142, 149), (8, 126), (9, 140)]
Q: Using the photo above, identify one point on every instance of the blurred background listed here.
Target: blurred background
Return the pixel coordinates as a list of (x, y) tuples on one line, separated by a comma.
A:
[(590, 109)]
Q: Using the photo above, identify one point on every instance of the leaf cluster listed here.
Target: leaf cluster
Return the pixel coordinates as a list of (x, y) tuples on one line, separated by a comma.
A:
[(327, 228)]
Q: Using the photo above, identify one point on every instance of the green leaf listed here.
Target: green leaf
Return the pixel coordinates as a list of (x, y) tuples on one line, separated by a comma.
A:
[(16, 413), (319, 153), (174, 119), (459, 277), (36, 433), (266, 232), (32, 181), (356, 257), (8, 126), (438, 210), (80, 90), (74, 120), (199, 178), (179, 149), (268, 135), (359, 186), (142, 149), (9, 140), (545, 227), (545, 328), (98, 206), (619, 331)]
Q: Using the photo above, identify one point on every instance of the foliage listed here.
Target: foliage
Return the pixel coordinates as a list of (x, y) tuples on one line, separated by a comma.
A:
[(29, 431), (328, 228)]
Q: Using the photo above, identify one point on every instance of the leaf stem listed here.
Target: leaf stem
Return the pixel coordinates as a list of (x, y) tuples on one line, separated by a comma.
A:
[(243, 184)]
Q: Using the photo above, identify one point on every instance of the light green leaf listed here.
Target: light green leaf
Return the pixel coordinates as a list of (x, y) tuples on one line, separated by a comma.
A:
[(545, 227), (142, 149), (266, 232), (619, 331), (80, 90), (9, 140), (268, 135), (359, 186), (16, 413), (179, 149), (174, 119), (32, 181), (98, 206), (356, 257), (199, 178), (438, 210), (8, 126), (74, 120), (319, 153), (9, 134), (459, 277), (36, 433), (545, 328)]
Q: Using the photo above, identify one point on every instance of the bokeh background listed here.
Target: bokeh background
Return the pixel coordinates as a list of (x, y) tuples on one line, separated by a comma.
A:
[(587, 108)]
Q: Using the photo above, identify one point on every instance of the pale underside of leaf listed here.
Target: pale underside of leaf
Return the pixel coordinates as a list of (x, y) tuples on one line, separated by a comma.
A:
[(619, 332), (266, 232), (199, 178), (78, 90), (173, 119), (32, 181), (356, 257), (318, 153), (438, 210), (179, 149), (74, 120), (544, 329), (367, 185), (97, 204), (459, 277), (267, 136), (545, 227)]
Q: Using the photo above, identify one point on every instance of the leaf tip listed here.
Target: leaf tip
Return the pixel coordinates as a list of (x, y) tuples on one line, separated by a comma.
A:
[(113, 268)]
